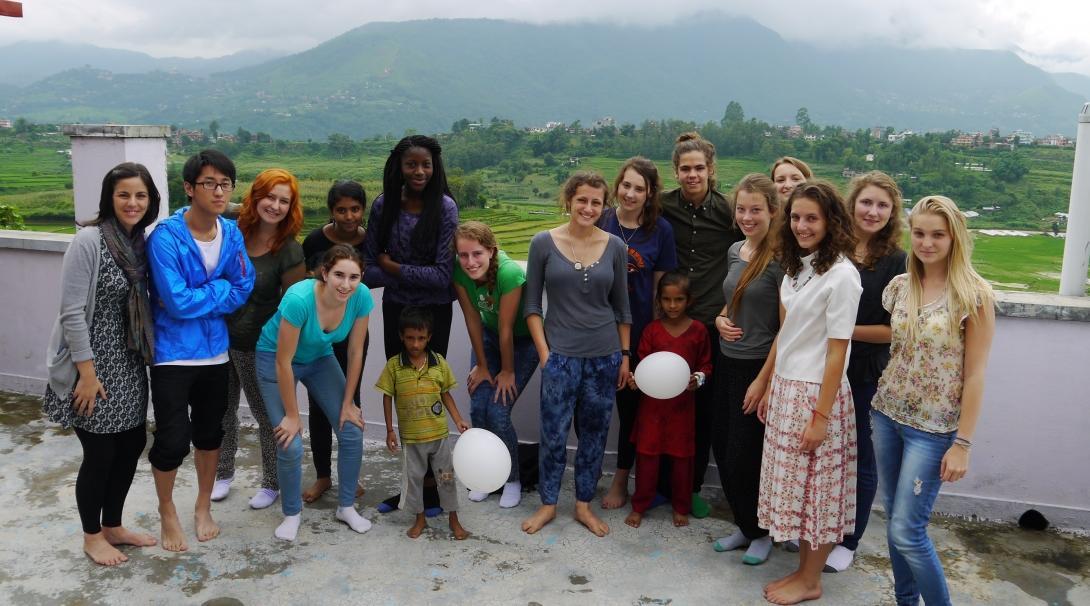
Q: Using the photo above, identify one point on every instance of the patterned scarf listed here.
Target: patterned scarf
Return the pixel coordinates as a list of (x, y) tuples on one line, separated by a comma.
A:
[(128, 253)]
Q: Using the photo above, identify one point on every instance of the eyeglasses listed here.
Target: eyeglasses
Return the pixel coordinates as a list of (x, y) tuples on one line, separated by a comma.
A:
[(226, 186)]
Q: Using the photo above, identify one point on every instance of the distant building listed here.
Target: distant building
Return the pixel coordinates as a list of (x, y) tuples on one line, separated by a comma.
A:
[(605, 122), (901, 136), (5, 124), (794, 131), (876, 132), (1024, 136), (1055, 141)]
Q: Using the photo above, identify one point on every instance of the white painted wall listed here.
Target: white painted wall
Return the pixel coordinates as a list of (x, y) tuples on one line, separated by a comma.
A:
[(1032, 448)]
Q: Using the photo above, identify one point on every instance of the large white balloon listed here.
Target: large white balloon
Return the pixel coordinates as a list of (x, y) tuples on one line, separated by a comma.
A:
[(481, 460), (662, 375)]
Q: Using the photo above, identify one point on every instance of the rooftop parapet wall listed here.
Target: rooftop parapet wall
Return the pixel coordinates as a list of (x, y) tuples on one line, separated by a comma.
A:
[(1030, 449)]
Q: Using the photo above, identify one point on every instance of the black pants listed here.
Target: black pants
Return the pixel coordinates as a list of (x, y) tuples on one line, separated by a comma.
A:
[(189, 403), (628, 402), (738, 441), (109, 463), (705, 406), (321, 432), (441, 317)]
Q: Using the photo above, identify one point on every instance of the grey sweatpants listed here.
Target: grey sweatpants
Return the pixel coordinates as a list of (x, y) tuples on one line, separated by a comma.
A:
[(414, 465)]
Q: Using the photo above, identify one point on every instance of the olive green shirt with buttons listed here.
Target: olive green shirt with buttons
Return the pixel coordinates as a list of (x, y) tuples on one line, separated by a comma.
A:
[(703, 234)]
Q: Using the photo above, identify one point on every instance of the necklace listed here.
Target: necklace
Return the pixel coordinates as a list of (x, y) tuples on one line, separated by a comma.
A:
[(571, 245), (627, 238)]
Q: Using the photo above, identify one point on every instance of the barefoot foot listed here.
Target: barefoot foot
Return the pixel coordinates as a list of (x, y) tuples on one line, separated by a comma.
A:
[(543, 515), (795, 591), (460, 534), (680, 519), (359, 490), (418, 526), (634, 519), (317, 489), (119, 535), (618, 491), (207, 529), (585, 516), (172, 537), (101, 551), (774, 585)]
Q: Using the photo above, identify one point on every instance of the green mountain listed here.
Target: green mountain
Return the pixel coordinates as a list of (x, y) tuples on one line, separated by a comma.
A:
[(1076, 83), (423, 75)]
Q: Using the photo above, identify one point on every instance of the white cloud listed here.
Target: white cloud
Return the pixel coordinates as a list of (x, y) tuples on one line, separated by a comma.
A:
[(1044, 32)]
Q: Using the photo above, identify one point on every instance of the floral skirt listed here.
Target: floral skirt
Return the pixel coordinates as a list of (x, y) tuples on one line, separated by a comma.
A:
[(807, 496)]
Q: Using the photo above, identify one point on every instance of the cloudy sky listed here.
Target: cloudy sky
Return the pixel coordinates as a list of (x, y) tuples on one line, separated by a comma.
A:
[(1054, 34)]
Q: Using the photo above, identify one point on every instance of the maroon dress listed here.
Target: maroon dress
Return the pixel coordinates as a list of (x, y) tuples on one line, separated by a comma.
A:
[(667, 427)]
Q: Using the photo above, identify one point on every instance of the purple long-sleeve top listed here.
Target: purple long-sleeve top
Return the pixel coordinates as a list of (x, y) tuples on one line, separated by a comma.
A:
[(425, 279)]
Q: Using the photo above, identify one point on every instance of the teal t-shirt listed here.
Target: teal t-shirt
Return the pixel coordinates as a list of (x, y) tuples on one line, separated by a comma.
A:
[(300, 309), (509, 276)]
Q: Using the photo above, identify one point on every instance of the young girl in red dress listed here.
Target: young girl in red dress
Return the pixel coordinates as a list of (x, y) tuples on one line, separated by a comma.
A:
[(665, 428)]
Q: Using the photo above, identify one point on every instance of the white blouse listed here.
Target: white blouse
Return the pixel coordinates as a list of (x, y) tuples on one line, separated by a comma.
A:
[(819, 307)]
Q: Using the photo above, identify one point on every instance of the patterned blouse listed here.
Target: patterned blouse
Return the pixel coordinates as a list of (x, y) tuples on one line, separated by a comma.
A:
[(921, 387)]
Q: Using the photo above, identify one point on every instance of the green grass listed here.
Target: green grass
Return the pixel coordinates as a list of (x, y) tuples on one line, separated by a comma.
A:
[(1031, 263)]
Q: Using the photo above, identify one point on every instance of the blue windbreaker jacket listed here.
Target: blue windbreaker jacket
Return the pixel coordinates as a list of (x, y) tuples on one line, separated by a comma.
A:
[(189, 306)]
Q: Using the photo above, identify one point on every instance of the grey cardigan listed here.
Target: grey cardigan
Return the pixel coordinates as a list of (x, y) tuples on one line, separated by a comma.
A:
[(70, 341)]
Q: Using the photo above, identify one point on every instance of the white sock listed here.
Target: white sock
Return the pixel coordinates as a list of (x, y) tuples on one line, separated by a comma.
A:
[(734, 541), (221, 488), (477, 496), (512, 494), (758, 551), (263, 498), (355, 521), (840, 558), (287, 529)]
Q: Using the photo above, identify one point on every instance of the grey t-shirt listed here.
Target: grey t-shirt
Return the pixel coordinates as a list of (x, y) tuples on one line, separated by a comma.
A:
[(759, 313), (585, 305)]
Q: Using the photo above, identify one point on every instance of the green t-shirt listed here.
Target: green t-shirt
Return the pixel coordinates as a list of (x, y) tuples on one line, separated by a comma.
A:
[(245, 324), (300, 309), (417, 394), (509, 276)]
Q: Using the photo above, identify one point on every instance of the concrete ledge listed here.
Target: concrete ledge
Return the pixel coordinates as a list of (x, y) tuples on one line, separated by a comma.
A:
[(117, 131), (1042, 306), (34, 240)]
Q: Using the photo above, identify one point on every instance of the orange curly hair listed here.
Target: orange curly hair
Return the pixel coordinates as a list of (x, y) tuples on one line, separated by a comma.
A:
[(248, 221)]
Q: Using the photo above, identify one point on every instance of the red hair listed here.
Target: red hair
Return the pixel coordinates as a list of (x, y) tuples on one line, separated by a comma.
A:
[(248, 220)]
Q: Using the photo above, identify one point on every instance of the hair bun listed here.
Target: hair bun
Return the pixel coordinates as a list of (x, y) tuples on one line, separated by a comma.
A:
[(689, 136)]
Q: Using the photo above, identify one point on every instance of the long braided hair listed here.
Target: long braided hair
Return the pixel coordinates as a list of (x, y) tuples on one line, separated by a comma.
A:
[(426, 232)]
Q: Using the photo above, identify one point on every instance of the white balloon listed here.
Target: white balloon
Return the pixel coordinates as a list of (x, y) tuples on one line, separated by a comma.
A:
[(662, 375), (481, 460)]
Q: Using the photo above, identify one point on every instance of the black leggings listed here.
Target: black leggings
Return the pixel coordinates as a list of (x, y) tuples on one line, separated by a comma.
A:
[(628, 402), (109, 463), (321, 432), (738, 441)]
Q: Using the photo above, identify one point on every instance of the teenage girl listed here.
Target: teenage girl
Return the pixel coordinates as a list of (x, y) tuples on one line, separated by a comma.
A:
[(269, 220), (664, 428), (98, 355), (874, 202), (808, 463), (296, 344), (346, 201), (637, 219), (582, 343), (787, 173), (489, 286), (409, 247), (929, 397), (746, 326)]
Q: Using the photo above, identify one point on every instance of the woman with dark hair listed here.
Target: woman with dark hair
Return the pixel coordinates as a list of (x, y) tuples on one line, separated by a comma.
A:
[(101, 343), (296, 344), (409, 246), (270, 218), (808, 462), (637, 219), (346, 202)]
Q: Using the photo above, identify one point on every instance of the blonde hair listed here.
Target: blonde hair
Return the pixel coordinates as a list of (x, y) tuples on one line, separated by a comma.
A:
[(803, 167), (966, 292), (756, 183)]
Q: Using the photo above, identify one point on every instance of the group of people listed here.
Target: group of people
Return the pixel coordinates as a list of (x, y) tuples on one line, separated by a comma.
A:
[(826, 362)]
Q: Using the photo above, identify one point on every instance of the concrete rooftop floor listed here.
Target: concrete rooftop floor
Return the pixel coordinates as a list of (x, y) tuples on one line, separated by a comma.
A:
[(42, 561)]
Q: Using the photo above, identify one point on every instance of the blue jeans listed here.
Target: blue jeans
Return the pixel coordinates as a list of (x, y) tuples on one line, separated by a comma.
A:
[(866, 485), (908, 472), (325, 383), (496, 416), (583, 388)]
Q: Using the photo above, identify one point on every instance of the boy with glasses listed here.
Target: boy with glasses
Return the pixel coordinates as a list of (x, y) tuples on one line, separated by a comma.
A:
[(200, 273)]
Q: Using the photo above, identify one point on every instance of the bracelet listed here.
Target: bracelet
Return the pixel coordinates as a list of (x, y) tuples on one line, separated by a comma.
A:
[(821, 414), (960, 441)]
